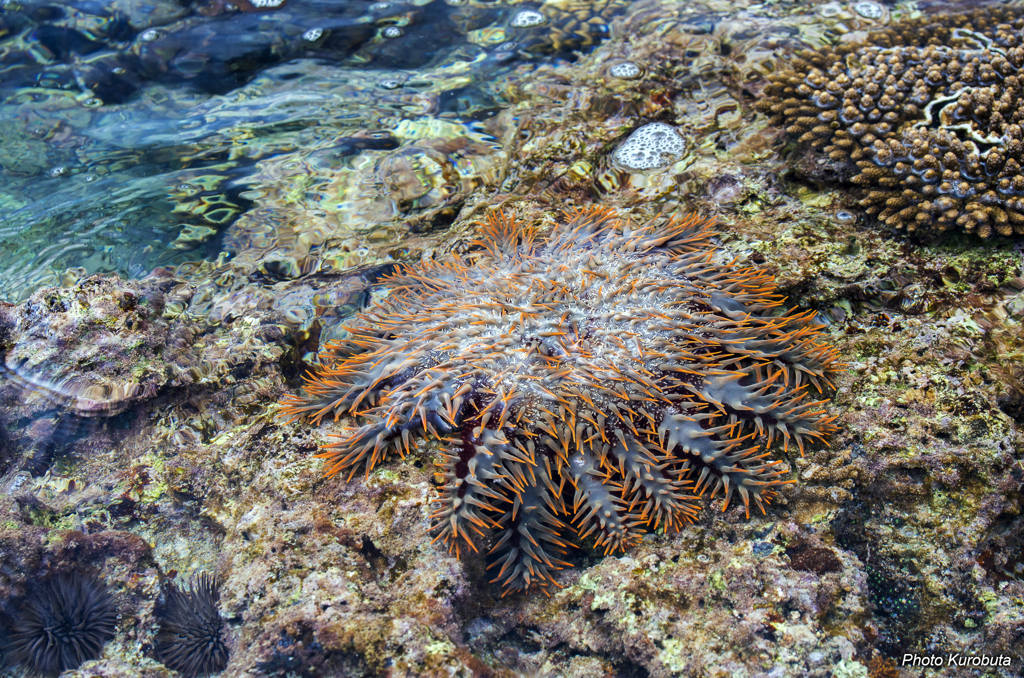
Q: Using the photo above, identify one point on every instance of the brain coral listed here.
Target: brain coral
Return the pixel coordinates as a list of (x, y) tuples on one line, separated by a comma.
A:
[(596, 381), (926, 116)]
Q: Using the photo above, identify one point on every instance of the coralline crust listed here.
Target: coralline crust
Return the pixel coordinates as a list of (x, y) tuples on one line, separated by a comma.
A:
[(925, 116), (596, 382)]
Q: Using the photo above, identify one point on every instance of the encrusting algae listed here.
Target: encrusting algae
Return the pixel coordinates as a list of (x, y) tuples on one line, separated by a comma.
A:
[(602, 378)]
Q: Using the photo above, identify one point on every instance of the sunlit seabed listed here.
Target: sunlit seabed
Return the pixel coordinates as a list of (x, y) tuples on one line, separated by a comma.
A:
[(123, 208), (155, 175)]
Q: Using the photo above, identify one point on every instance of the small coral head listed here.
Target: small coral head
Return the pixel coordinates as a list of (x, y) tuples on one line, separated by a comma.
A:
[(590, 384), (923, 118)]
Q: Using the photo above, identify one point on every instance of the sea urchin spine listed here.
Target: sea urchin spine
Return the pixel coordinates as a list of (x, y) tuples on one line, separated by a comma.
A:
[(191, 638), (64, 622), (602, 378)]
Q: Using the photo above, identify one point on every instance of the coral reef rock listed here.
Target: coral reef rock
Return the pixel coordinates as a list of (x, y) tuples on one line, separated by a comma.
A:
[(104, 345)]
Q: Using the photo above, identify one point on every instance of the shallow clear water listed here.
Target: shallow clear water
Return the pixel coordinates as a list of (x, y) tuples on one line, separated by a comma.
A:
[(135, 133)]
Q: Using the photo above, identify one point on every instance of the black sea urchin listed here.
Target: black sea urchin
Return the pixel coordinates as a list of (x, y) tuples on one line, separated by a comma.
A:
[(62, 623), (605, 377), (191, 638)]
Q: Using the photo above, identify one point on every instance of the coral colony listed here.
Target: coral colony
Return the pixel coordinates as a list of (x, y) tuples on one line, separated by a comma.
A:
[(926, 116), (596, 381)]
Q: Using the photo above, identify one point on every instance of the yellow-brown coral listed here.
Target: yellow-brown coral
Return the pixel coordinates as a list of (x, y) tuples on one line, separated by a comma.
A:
[(925, 116), (603, 377)]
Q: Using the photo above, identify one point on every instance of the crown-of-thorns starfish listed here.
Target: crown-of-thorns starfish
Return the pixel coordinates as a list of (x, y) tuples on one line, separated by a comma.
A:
[(598, 380)]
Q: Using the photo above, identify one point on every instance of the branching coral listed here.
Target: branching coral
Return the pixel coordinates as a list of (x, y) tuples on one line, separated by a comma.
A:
[(927, 116), (598, 380)]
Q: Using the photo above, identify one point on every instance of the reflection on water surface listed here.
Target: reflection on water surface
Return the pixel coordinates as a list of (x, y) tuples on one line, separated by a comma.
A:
[(136, 133)]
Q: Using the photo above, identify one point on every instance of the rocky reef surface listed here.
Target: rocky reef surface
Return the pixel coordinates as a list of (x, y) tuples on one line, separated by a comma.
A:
[(143, 445)]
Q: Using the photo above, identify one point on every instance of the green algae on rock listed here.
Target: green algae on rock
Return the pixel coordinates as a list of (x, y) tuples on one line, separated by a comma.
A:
[(615, 359), (926, 116)]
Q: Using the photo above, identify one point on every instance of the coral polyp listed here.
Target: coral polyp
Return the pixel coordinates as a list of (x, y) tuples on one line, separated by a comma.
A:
[(593, 383)]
